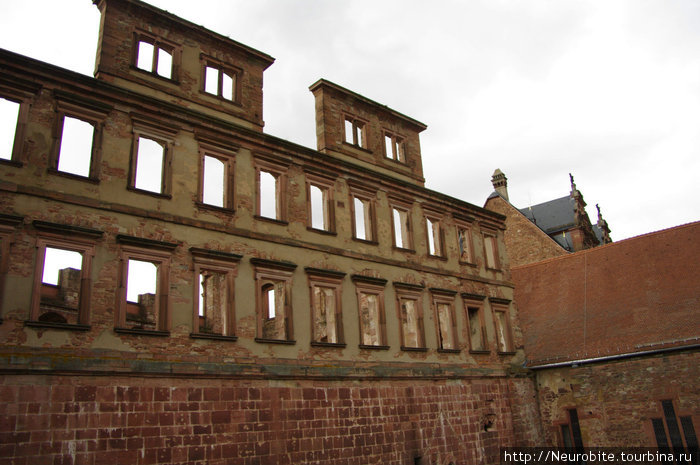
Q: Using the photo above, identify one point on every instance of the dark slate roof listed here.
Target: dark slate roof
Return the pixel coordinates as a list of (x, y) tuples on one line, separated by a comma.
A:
[(598, 233), (553, 216)]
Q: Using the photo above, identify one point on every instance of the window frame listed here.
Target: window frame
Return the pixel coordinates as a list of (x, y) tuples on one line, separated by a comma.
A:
[(279, 172), (681, 429), (398, 146), (24, 99), (70, 238), (467, 227), (326, 186), (218, 262), (435, 219), (502, 306), (405, 207), (489, 235), (371, 286), (162, 135), (359, 131), (226, 155), (476, 301), (370, 200), (158, 43), (222, 68), (410, 292), (8, 235), (326, 279), (445, 297), (160, 254), (266, 272)]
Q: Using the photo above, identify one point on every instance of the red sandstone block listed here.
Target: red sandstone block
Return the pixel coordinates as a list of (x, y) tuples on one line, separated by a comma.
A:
[(195, 453), (146, 394), (127, 394), (221, 417), (201, 429), (8, 393), (85, 434), (161, 394), (194, 394), (211, 394), (34, 394), (179, 395), (85, 393), (105, 394), (191, 440)]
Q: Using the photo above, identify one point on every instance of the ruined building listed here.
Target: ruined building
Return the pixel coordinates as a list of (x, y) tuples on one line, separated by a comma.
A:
[(178, 286), (549, 229)]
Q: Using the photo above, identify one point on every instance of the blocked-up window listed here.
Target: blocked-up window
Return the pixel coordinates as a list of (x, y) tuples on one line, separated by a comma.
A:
[(355, 131), (491, 251), (144, 298), (504, 338), (220, 82), (409, 304), (401, 224), (327, 321), (154, 56), (214, 300), (443, 302), (464, 237), (9, 116), (394, 147), (434, 234), (61, 293), (477, 331), (273, 300), (370, 302)]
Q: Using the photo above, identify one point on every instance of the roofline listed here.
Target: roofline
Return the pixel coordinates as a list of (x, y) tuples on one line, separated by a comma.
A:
[(324, 82), (183, 22)]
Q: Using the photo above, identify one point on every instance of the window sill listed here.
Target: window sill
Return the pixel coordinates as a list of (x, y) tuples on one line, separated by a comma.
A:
[(275, 341), (393, 160), (479, 351), (219, 98), (365, 346), (271, 220), (437, 257), (206, 206), (472, 264), (414, 349), (153, 74), (337, 345), (142, 332), (151, 193), (46, 324), (213, 337), (357, 147), (507, 352), (321, 231), (77, 177), (15, 163), (488, 268), (365, 241), (449, 351), (402, 249)]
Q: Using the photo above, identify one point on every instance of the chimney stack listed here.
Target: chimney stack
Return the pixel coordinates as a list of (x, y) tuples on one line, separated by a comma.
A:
[(500, 183)]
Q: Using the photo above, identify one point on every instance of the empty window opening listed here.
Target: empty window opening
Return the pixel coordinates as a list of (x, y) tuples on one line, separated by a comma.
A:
[(75, 153), (434, 242), (671, 434), (154, 59), (273, 300), (445, 327), (394, 148), (325, 325), (401, 229), (213, 181), (213, 302), (319, 208), (9, 114), (269, 195), (149, 165), (141, 296), (410, 324), (465, 249), (60, 286), (363, 219), (355, 132), (502, 335), (476, 330), (571, 432), (370, 319), (491, 257), (220, 83)]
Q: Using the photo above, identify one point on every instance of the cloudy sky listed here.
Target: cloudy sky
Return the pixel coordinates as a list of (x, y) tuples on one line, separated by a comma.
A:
[(606, 90)]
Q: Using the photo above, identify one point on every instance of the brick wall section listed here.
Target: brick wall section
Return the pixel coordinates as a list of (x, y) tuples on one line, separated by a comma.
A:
[(126, 420), (616, 400), (525, 242), (628, 296)]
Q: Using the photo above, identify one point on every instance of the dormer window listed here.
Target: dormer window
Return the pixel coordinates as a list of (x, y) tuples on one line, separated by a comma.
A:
[(394, 147), (355, 132), (155, 56), (220, 81)]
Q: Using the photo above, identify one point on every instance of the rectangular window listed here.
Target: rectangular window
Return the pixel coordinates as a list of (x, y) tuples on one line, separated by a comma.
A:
[(216, 178), (504, 337), (464, 237), (410, 308), (151, 159), (680, 441), (327, 319), (363, 210), (491, 251), (270, 189), (75, 153), (214, 274), (370, 303), (477, 328), (355, 131), (401, 227), (443, 302), (155, 56), (571, 432), (394, 147), (273, 281), (220, 81), (61, 294), (434, 235), (9, 119), (321, 214), (144, 298)]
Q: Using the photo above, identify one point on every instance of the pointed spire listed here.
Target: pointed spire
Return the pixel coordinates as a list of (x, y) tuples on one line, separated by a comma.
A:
[(500, 183)]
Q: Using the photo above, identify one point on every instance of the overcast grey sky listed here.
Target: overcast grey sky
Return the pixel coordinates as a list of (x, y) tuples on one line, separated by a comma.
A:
[(606, 90)]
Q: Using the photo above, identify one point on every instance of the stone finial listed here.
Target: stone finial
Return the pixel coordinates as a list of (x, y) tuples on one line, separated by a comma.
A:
[(500, 183)]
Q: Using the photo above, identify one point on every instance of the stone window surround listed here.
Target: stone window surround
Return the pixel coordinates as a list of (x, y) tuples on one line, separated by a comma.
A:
[(491, 235), (8, 229), (398, 142), (371, 286), (24, 98), (445, 297), (412, 292), (279, 170), (173, 49), (439, 238), (465, 224), (225, 153), (502, 306), (163, 135), (404, 206), (476, 301), (271, 271), (359, 131), (235, 72), (370, 197), (326, 185), (328, 279)]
